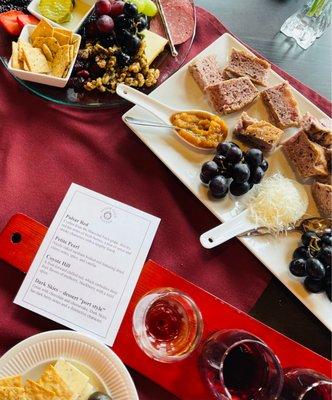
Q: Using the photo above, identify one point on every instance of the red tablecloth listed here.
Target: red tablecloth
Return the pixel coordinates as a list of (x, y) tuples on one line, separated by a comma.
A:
[(44, 147)]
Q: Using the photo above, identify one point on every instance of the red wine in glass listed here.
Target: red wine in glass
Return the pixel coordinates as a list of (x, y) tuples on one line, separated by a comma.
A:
[(167, 325), (306, 384), (238, 366)]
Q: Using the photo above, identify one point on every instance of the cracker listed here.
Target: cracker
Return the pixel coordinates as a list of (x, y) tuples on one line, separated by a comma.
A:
[(21, 46), (76, 44), (34, 391), (64, 32), (61, 38), (13, 381), (52, 381), (12, 393), (42, 29), (71, 52), (50, 42), (47, 52), (25, 66), (15, 64), (36, 61), (61, 61)]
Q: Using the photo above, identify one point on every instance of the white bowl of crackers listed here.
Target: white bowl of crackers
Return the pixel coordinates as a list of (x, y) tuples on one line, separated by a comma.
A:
[(44, 54), (63, 365)]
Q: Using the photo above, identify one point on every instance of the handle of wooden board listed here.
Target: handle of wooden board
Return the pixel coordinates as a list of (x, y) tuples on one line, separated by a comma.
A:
[(20, 240)]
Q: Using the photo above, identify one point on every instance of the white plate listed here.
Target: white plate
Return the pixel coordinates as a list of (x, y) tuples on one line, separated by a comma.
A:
[(180, 91), (104, 368), (80, 12), (41, 78)]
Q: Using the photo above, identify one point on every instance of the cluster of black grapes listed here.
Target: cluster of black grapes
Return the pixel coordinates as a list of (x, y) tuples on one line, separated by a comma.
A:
[(312, 260), (233, 169)]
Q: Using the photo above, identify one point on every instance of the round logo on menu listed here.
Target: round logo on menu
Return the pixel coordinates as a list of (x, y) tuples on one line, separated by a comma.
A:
[(107, 215)]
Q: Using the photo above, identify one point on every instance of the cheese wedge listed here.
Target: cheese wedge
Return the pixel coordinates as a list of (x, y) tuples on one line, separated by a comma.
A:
[(72, 376), (87, 392), (155, 44)]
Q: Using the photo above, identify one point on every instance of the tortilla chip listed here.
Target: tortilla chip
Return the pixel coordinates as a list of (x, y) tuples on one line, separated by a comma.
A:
[(42, 29), (61, 61), (65, 32), (34, 391), (13, 381), (50, 42), (47, 52), (61, 38), (36, 61), (12, 393), (52, 381), (15, 64)]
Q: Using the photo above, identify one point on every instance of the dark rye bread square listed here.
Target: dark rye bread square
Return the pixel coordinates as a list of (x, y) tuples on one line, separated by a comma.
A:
[(231, 95), (281, 105), (257, 133), (322, 194), (307, 157), (241, 63), (206, 71)]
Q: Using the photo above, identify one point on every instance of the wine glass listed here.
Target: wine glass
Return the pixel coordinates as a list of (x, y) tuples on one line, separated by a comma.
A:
[(237, 365), (306, 384), (167, 325)]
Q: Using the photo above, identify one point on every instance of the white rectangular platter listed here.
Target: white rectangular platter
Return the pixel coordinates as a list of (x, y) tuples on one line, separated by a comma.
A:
[(181, 92)]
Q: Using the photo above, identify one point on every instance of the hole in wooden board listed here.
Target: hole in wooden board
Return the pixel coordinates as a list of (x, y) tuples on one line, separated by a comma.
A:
[(16, 237)]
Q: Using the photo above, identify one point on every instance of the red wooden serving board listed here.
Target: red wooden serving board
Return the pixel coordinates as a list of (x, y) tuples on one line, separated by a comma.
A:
[(181, 378)]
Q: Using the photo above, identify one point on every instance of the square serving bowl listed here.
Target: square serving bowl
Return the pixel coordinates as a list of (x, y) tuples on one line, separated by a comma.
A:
[(36, 77), (80, 12)]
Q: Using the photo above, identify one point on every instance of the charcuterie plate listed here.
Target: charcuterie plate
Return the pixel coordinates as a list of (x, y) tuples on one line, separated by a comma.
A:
[(95, 99), (181, 92)]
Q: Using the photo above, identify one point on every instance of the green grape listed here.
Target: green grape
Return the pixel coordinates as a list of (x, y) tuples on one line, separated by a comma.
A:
[(150, 8), (140, 4)]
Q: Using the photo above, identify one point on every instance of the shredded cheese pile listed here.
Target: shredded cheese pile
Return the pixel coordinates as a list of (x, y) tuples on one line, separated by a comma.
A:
[(279, 202)]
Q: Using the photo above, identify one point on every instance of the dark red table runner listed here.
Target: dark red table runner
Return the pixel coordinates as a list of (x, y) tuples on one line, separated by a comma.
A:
[(44, 147)]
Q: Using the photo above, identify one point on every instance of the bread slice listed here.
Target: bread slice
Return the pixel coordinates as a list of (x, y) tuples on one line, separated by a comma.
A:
[(322, 194), (206, 71), (231, 95), (281, 105), (259, 134), (307, 157), (316, 130), (242, 63)]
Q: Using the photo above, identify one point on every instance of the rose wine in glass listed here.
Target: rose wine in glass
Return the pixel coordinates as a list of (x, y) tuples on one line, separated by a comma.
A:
[(238, 366), (306, 384), (167, 325)]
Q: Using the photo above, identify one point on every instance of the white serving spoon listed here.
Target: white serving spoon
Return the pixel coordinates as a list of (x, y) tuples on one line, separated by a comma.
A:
[(229, 229), (239, 225), (155, 107)]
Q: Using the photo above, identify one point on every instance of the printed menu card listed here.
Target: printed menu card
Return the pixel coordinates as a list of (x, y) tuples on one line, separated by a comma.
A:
[(86, 268)]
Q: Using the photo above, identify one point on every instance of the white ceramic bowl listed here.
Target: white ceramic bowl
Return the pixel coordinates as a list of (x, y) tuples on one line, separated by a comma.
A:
[(40, 78), (104, 368), (77, 18)]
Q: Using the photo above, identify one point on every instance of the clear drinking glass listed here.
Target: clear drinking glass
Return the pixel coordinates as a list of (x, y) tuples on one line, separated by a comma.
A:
[(167, 325), (237, 365), (306, 384), (309, 22)]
